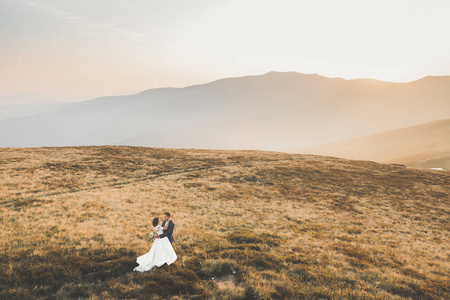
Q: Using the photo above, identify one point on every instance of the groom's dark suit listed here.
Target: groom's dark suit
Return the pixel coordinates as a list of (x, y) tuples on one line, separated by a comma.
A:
[(169, 231)]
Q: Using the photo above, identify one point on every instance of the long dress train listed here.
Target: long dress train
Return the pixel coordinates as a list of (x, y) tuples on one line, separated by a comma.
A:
[(160, 253)]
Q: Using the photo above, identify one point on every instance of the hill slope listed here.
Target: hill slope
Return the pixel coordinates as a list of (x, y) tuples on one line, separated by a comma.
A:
[(73, 221), (274, 111), (425, 145)]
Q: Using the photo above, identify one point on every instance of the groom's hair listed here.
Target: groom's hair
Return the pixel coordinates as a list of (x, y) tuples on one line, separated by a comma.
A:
[(155, 222), (167, 214)]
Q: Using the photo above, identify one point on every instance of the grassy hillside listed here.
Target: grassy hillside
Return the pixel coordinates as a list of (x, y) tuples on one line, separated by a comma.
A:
[(262, 224), (422, 146)]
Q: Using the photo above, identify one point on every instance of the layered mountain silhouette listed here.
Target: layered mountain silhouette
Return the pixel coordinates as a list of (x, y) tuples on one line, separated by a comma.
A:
[(274, 111), (425, 145)]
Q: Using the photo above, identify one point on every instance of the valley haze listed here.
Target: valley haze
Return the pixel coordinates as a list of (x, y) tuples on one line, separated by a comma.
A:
[(281, 111)]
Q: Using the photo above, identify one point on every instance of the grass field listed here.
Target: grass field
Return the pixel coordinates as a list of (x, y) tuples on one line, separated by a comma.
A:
[(249, 225)]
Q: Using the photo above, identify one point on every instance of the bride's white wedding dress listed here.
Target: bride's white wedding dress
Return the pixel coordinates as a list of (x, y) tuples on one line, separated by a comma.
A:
[(161, 253)]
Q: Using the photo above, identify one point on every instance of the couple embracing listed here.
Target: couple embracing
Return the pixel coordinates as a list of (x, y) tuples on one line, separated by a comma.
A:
[(162, 251)]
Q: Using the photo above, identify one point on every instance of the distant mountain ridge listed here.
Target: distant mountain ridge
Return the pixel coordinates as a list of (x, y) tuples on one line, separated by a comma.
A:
[(425, 145), (274, 111)]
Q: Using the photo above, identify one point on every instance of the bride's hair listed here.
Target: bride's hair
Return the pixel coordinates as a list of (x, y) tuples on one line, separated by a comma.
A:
[(155, 222)]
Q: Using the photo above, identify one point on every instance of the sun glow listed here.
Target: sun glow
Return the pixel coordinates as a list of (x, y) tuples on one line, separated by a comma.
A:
[(85, 49)]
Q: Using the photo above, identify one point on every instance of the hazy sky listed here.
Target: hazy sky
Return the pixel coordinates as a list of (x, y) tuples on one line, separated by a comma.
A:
[(91, 48)]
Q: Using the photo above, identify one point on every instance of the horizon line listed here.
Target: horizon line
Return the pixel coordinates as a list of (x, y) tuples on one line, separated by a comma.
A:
[(200, 84)]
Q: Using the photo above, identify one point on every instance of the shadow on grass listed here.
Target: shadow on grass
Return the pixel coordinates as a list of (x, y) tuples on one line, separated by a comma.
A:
[(83, 273)]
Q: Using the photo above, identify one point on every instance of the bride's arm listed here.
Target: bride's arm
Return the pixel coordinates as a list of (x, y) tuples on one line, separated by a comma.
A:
[(158, 228)]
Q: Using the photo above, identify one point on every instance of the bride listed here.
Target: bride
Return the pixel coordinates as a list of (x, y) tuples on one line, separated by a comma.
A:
[(161, 252)]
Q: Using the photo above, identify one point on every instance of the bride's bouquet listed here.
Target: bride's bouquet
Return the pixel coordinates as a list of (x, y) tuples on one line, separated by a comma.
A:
[(151, 235)]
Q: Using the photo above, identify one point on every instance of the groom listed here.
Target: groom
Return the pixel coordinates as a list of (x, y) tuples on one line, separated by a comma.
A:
[(169, 231)]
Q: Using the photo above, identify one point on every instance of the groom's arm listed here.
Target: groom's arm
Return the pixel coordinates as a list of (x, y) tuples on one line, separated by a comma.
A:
[(169, 230)]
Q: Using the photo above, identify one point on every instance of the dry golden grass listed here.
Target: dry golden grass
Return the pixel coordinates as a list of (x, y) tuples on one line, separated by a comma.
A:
[(264, 225)]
